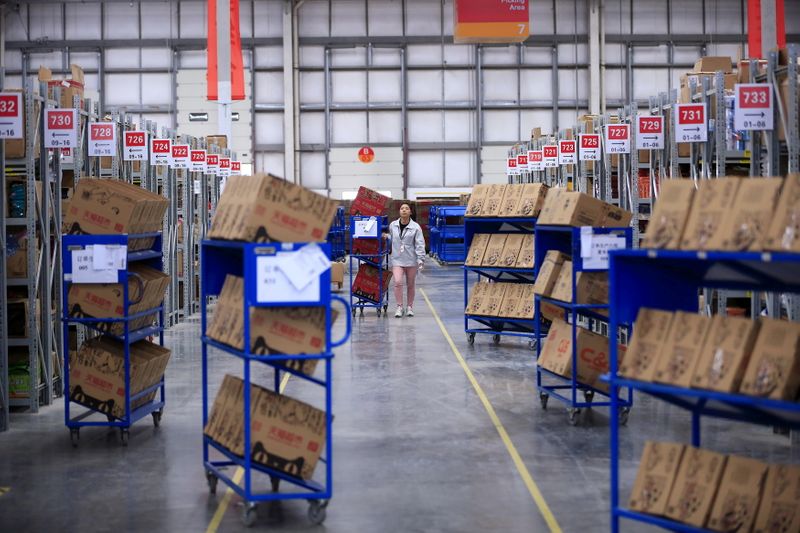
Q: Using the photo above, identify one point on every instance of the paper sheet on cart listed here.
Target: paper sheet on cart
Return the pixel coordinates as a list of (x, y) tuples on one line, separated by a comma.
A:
[(273, 285), (304, 265), (595, 248), (109, 256), (366, 228), (85, 271)]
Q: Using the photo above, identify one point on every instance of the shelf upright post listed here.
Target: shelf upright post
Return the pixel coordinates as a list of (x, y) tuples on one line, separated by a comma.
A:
[(792, 115), (674, 164), (773, 145), (633, 178), (3, 294), (720, 124)]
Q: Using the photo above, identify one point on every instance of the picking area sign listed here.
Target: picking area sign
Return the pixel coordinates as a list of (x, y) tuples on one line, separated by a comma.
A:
[(134, 147), (61, 128), (650, 133), (535, 160), (102, 139), (550, 156), (618, 138), (754, 107), (567, 152), (590, 146), (11, 116), (161, 152), (690, 123)]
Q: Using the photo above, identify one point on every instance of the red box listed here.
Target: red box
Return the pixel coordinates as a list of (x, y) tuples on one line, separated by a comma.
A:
[(369, 203), (367, 284), (371, 247)]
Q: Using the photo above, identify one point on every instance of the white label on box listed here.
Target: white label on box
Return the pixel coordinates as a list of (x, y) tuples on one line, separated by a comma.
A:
[(236, 168), (305, 265), (595, 248), (535, 160), (197, 161), (161, 151), (650, 133), (567, 152), (180, 156), (618, 138), (11, 116), (61, 128), (135, 146), (590, 147), (99, 263), (690, 123), (753, 109), (272, 285), (102, 139), (550, 156), (366, 228), (224, 167), (212, 163)]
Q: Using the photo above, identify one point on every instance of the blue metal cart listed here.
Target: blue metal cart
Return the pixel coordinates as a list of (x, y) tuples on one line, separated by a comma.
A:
[(336, 236), (681, 275), (450, 242), (248, 260), (151, 257), (567, 239), (435, 231), (378, 259), (495, 326)]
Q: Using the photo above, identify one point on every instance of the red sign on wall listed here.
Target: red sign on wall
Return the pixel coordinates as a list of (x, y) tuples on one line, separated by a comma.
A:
[(490, 21), (366, 154)]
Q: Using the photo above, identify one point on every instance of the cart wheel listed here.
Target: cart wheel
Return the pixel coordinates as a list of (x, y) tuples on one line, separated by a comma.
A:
[(316, 511), (275, 482), (543, 397), (496, 338), (623, 415), (157, 417), (471, 338), (354, 312), (588, 396), (572, 415), (74, 436), (124, 435), (385, 308), (379, 311), (211, 479), (532, 344), (249, 514), (362, 312)]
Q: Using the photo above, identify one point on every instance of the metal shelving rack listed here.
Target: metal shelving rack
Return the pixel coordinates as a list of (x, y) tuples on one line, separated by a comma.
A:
[(380, 261), (685, 273), (567, 239), (220, 258), (448, 245), (497, 326)]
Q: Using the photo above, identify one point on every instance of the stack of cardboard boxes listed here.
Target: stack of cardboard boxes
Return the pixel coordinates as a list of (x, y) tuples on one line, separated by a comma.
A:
[(505, 300), (501, 250), (710, 490), (724, 353), (568, 208), (371, 283), (728, 214), (511, 201), (555, 281)]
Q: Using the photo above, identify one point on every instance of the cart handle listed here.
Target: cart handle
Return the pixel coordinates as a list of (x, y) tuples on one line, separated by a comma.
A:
[(348, 327)]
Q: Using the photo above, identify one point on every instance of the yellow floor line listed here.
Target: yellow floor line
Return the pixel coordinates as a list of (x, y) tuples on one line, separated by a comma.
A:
[(536, 494), (237, 478)]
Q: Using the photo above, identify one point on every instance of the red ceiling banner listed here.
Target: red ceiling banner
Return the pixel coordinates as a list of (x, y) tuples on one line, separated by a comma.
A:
[(491, 21)]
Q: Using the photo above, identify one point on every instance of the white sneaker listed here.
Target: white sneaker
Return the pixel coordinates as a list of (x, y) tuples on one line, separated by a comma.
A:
[(409, 312), (399, 312)]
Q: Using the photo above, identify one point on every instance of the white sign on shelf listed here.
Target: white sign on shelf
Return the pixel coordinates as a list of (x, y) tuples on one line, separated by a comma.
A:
[(366, 228), (236, 168), (99, 263), (135, 146), (197, 188), (180, 156), (11, 116), (224, 167), (273, 286), (61, 128), (522, 162), (511, 166), (550, 156), (690, 123), (161, 151), (102, 139), (590, 146), (535, 163), (567, 152), (753, 109), (650, 133), (212, 164), (618, 138), (595, 248), (198, 161)]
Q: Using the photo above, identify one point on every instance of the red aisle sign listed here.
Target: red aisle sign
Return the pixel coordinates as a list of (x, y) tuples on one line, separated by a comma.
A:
[(102, 139), (522, 161), (490, 21), (618, 138), (650, 133), (567, 152), (11, 116), (134, 146), (690, 123), (535, 160), (180, 156)]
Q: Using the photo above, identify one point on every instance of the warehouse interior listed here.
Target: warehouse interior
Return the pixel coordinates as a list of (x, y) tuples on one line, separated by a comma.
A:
[(202, 314)]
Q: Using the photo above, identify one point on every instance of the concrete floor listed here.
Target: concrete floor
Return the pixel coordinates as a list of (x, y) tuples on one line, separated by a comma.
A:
[(414, 448)]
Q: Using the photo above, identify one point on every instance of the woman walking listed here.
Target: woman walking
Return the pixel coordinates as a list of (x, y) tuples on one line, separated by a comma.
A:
[(408, 255)]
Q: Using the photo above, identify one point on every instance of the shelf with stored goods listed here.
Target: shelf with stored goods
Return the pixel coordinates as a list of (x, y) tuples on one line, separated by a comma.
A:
[(369, 263), (114, 286), (571, 288), (263, 318), (743, 367), (499, 272)]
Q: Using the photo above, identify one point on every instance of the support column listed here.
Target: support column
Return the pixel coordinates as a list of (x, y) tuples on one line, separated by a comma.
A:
[(289, 153), (595, 57), (223, 68)]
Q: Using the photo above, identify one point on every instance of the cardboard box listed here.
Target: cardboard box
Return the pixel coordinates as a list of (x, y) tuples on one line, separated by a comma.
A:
[(531, 200), (725, 354), (746, 225), (649, 335), (712, 202), (476, 200), (477, 249), (337, 273), (112, 207), (369, 203), (97, 373), (367, 247), (476, 297), (784, 231), (774, 367), (551, 311), (562, 290), (780, 503), (678, 358), (658, 468), (510, 253), (493, 299), (579, 209), (16, 252), (525, 259), (548, 272), (511, 299), (368, 286), (525, 308), (494, 250), (695, 486), (69, 87), (511, 197), (738, 496), (265, 208), (221, 141), (493, 200), (669, 216), (713, 64)]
